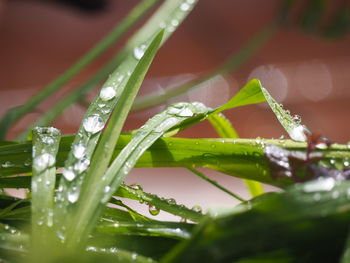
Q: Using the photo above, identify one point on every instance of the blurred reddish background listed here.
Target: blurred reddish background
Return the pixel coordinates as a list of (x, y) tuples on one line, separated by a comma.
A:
[(308, 73)]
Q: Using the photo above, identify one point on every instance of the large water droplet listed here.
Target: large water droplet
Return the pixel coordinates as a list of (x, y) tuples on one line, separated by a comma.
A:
[(93, 124), (43, 161), (79, 150), (153, 210), (107, 93), (297, 133), (139, 51), (69, 174)]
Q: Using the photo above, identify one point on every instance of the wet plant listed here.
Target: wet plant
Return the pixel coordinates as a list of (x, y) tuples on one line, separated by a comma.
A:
[(74, 210)]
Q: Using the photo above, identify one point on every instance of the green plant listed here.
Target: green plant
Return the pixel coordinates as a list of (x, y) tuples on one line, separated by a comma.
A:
[(66, 217)]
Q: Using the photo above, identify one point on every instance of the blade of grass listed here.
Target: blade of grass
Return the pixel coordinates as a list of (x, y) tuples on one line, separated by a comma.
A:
[(45, 147), (291, 124), (305, 215), (232, 63), (205, 178), (164, 229), (225, 129), (15, 114), (236, 157), (77, 231), (169, 205), (134, 215), (101, 186)]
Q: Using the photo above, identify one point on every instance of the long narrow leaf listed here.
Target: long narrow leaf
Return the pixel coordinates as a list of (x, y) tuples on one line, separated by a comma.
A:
[(85, 212), (45, 147)]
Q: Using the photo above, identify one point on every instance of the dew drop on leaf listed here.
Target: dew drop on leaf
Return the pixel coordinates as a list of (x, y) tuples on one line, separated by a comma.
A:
[(73, 195), (139, 51), (93, 124), (69, 174), (107, 93), (297, 133), (79, 151), (153, 210), (43, 161), (197, 209), (171, 201), (81, 165), (184, 7)]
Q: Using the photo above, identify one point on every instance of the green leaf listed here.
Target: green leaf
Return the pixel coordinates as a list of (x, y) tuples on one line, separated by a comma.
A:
[(314, 215), (295, 129), (164, 229), (96, 180), (169, 205), (45, 146)]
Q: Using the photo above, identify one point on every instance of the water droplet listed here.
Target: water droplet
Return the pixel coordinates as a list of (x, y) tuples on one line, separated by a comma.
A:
[(171, 201), (133, 256), (346, 163), (139, 51), (317, 197), (162, 25), (297, 133), (107, 189), (47, 140), (69, 174), (174, 22), (197, 209), (107, 93), (136, 187), (321, 146), (73, 195), (335, 194), (153, 210), (184, 7), (7, 165), (185, 112), (213, 146), (81, 165), (43, 161), (28, 162), (93, 124), (321, 184), (191, 2), (79, 150)]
